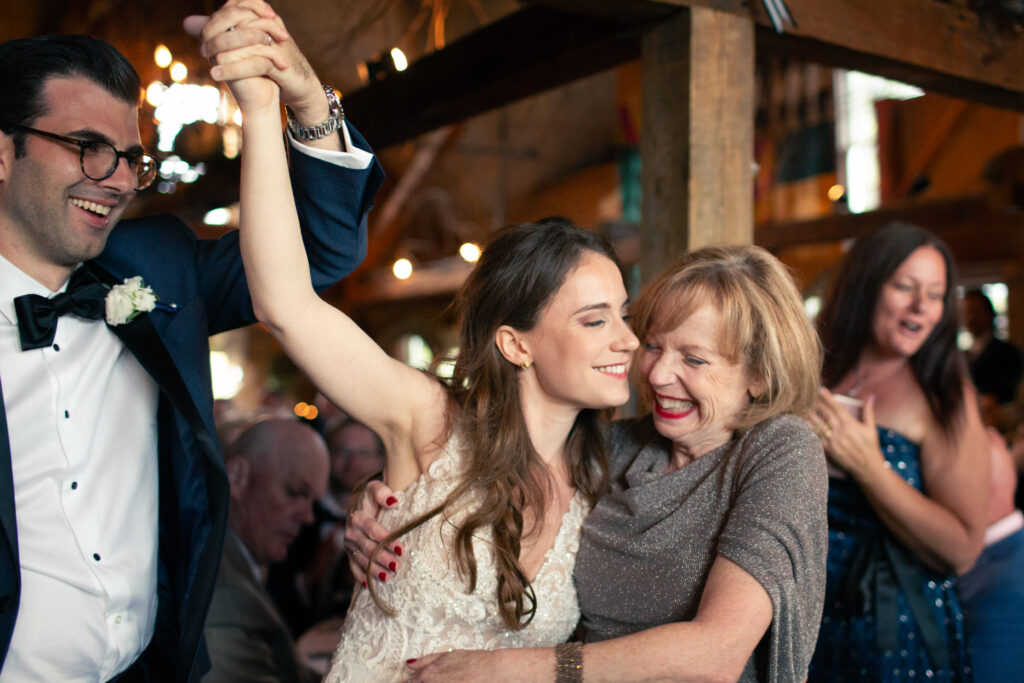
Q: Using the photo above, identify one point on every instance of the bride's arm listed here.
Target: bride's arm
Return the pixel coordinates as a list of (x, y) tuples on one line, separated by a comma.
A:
[(401, 404), (734, 614)]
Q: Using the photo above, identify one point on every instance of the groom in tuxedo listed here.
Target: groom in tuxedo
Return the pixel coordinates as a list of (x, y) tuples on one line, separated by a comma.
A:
[(113, 494)]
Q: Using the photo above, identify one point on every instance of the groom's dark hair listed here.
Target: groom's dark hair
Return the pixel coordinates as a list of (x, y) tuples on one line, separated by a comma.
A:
[(27, 63)]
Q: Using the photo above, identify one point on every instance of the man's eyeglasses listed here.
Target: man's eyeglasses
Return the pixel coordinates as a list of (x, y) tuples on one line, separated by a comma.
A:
[(99, 159)]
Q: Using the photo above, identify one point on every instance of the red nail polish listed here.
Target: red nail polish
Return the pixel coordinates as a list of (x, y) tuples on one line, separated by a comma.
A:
[(398, 550), (391, 501), (410, 661), (364, 584), (382, 576), (393, 566)]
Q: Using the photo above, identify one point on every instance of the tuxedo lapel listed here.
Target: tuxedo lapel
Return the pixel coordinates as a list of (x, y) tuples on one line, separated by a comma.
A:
[(8, 520), (210, 493), (141, 337)]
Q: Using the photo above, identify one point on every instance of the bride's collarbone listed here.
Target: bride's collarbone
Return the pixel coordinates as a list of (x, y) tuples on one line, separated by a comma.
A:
[(537, 540)]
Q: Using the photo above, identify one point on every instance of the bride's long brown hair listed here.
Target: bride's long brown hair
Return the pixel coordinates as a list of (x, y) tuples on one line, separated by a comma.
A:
[(515, 278)]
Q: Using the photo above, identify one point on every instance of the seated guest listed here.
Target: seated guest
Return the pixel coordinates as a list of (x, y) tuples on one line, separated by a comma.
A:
[(356, 453), (276, 469), (993, 591), (314, 582)]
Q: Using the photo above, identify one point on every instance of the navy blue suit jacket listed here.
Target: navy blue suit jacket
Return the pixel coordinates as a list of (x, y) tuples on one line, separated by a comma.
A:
[(206, 280)]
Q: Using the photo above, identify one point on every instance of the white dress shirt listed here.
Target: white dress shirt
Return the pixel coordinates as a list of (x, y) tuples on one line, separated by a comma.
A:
[(81, 415)]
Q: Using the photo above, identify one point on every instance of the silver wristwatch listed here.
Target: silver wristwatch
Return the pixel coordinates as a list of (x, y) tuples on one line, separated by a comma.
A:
[(321, 130)]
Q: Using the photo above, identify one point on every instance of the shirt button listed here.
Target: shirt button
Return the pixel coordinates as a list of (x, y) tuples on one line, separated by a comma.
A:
[(74, 485), (96, 556), (56, 347), (67, 414), (117, 619)]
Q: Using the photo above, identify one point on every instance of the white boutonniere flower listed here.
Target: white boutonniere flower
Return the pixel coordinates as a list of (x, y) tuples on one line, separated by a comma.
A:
[(127, 300)]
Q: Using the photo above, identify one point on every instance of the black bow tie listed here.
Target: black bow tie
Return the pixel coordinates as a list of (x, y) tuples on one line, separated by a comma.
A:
[(37, 315)]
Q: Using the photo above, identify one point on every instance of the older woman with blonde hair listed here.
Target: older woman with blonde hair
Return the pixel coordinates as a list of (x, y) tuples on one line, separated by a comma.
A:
[(706, 559)]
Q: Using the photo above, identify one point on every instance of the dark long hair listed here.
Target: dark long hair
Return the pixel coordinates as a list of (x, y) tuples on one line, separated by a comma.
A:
[(27, 63), (845, 323), (516, 277)]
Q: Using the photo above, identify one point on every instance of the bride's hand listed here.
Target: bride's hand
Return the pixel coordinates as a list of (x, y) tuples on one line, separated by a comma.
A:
[(245, 40), (363, 533)]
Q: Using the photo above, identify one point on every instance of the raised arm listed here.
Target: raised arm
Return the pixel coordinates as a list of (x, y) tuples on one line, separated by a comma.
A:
[(401, 404), (945, 525), (334, 178)]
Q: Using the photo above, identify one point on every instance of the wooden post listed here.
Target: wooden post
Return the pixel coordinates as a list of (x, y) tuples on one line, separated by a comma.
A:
[(698, 135)]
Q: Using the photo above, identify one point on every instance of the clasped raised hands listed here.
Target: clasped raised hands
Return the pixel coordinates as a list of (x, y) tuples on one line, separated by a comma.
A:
[(251, 50)]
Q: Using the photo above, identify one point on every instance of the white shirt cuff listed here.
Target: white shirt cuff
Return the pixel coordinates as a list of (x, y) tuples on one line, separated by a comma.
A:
[(356, 159)]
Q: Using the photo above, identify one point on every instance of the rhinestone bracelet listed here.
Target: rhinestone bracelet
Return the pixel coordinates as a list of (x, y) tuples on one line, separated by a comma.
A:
[(569, 663)]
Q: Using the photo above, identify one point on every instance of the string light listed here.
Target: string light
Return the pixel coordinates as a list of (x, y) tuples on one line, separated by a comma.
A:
[(402, 268), (469, 252), (179, 72), (155, 93), (162, 56), (398, 57)]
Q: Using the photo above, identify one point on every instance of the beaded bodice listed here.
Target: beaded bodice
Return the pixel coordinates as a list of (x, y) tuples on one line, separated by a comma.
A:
[(433, 610)]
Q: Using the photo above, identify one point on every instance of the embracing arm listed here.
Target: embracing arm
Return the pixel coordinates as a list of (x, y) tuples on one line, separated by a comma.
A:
[(945, 528), (734, 614)]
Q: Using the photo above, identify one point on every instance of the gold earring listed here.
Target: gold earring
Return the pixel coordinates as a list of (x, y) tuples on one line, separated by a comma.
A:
[(525, 365)]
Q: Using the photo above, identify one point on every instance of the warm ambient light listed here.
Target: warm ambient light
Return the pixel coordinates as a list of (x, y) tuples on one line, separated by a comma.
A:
[(219, 216), (227, 375), (162, 56), (179, 72), (402, 268), (155, 93), (469, 252), (836, 192), (398, 57), (306, 410)]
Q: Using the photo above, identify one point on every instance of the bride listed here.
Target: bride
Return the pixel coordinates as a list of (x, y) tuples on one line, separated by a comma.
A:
[(498, 465)]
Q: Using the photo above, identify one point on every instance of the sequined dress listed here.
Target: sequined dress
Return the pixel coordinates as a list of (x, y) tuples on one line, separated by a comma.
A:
[(433, 610), (887, 616)]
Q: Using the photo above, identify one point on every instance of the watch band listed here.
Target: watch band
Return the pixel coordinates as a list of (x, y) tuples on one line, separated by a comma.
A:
[(321, 130)]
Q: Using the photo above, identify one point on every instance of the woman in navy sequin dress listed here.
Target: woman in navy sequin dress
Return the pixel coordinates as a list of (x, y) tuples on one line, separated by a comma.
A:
[(908, 492)]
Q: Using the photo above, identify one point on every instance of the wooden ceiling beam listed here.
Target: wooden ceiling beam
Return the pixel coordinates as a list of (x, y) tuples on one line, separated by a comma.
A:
[(935, 45), (939, 46), (973, 229), (525, 53)]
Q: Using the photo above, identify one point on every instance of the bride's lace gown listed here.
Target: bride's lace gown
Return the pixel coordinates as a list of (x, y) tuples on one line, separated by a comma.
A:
[(433, 611)]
